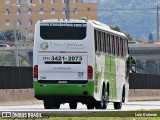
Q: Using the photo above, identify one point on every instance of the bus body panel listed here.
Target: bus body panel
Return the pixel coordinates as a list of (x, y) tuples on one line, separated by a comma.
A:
[(52, 78)]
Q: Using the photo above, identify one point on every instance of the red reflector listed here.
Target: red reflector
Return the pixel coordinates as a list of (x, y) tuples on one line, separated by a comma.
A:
[(36, 71), (90, 72)]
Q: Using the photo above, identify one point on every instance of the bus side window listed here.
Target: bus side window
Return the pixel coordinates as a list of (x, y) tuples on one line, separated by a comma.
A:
[(117, 46), (126, 47), (106, 39), (99, 41), (104, 42), (124, 50), (113, 45), (96, 40), (121, 46), (109, 43), (111, 40)]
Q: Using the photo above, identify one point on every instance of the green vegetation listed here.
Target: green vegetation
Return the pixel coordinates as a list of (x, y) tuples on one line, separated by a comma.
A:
[(103, 118), (136, 17), (8, 35), (151, 38), (119, 30), (8, 59), (147, 66), (108, 115), (95, 118)]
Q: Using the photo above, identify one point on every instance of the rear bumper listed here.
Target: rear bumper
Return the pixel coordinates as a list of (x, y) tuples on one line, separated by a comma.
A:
[(43, 90), (67, 99)]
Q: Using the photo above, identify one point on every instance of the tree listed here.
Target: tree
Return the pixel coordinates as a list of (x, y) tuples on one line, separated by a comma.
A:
[(116, 28), (147, 66), (129, 36), (151, 38), (8, 35), (151, 66)]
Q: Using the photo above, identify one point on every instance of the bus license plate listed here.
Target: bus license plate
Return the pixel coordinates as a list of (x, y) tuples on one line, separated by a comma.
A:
[(63, 58)]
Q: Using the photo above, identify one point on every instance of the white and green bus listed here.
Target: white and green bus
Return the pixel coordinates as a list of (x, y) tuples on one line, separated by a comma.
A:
[(79, 61)]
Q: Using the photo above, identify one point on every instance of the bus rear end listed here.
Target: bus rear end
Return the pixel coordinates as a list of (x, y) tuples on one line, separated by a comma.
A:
[(62, 73)]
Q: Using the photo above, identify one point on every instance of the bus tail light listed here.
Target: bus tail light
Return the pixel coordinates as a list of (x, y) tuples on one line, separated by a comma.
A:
[(90, 72), (36, 71)]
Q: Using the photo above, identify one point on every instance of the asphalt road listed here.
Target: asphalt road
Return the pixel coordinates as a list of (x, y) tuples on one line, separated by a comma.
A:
[(129, 106)]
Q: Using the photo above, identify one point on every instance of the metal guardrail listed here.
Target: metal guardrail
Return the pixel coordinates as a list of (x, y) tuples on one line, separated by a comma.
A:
[(144, 81), (16, 77)]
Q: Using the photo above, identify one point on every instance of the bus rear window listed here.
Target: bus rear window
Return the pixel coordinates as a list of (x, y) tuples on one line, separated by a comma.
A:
[(63, 32)]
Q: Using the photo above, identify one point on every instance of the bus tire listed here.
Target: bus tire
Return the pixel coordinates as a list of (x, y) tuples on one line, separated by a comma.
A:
[(73, 105), (55, 106), (117, 105), (47, 106), (90, 106), (104, 101), (123, 95), (51, 105)]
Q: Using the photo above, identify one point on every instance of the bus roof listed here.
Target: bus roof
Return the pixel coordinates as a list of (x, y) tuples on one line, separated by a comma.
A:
[(63, 20), (105, 27)]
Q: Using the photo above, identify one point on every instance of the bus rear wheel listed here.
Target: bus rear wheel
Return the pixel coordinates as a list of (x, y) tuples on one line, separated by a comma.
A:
[(117, 105), (90, 105), (47, 106), (51, 105), (73, 105), (104, 101)]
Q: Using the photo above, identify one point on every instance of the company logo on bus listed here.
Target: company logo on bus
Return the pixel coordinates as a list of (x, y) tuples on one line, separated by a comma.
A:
[(44, 46)]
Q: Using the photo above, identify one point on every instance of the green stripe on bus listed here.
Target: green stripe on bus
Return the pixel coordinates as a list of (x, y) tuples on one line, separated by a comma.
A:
[(110, 76), (63, 89), (113, 78)]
